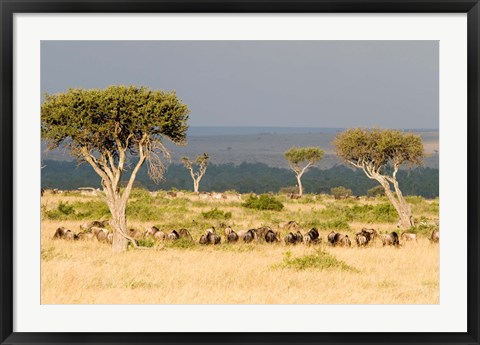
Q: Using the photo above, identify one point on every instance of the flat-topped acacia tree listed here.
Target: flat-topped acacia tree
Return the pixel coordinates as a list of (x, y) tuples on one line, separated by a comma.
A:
[(375, 151), (202, 163), (302, 158), (103, 126)]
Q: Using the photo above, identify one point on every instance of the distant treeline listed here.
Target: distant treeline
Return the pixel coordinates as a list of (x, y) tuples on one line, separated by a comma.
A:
[(244, 178)]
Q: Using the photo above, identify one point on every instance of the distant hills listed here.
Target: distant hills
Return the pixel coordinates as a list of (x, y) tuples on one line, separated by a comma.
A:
[(237, 145)]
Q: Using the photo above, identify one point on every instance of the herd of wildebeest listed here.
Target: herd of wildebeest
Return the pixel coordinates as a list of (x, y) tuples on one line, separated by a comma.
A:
[(96, 231)]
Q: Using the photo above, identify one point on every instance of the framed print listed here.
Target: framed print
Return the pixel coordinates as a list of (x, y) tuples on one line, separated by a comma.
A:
[(244, 172)]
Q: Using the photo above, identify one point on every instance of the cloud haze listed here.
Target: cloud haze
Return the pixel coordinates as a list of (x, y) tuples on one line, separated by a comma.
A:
[(264, 83)]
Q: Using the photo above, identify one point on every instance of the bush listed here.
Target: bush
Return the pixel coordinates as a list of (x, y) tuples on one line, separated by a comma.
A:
[(288, 190), (341, 192), (320, 260), (62, 212), (263, 202), (216, 214), (376, 191), (146, 242)]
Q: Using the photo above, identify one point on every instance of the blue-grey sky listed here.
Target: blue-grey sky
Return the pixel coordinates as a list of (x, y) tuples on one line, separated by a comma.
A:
[(335, 84)]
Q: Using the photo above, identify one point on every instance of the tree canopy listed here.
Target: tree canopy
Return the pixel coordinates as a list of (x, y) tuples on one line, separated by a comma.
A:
[(297, 155), (106, 121), (377, 148)]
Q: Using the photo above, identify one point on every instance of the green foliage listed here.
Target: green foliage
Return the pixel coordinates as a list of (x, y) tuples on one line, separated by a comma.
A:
[(216, 214), (245, 178), (319, 260), (95, 118), (424, 229), (341, 192), (63, 211), (263, 202), (376, 191), (181, 243), (335, 224), (296, 155), (378, 148), (342, 214), (146, 242)]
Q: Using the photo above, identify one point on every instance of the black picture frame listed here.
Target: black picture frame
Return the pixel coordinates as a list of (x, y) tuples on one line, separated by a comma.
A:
[(9, 8)]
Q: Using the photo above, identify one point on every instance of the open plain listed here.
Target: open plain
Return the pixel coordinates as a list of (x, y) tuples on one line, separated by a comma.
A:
[(182, 272)]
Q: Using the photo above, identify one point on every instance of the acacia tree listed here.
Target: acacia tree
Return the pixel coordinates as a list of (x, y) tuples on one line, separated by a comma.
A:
[(202, 163), (103, 126), (379, 153), (302, 158)]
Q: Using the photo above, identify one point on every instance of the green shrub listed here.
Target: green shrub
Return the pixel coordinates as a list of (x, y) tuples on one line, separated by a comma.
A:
[(336, 224), (319, 260), (146, 242), (216, 214), (341, 192), (263, 202), (288, 190), (181, 243), (62, 212), (376, 191)]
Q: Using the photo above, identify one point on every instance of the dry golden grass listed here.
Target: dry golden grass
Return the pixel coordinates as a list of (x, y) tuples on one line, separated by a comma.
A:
[(89, 273)]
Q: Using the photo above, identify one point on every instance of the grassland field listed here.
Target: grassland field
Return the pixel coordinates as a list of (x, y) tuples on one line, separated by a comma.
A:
[(88, 272)]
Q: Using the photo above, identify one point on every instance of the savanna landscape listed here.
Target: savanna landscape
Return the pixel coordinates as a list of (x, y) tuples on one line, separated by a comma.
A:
[(186, 272)]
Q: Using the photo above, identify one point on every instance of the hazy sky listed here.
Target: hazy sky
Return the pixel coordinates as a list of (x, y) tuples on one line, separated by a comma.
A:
[(264, 83)]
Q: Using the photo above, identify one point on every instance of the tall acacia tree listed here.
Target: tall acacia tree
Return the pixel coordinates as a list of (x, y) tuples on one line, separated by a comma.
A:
[(201, 162), (302, 158), (379, 153), (103, 126)]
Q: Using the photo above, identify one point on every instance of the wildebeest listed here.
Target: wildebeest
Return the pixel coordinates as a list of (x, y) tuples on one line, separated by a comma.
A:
[(345, 241), (271, 236), (213, 238), (262, 232), (184, 233), (290, 239), (336, 238), (331, 237), (249, 236), (291, 225), (312, 236), (173, 235), (227, 230), (408, 236), (435, 237), (160, 235), (203, 239), (84, 236), (232, 237), (391, 239), (370, 234), (134, 233), (298, 237), (96, 223), (364, 236), (361, 239), (150, 232), (60, 232), (100, 234)]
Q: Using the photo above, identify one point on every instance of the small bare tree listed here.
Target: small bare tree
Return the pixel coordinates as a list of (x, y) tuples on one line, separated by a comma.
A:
[(101, 126), (379, 153), (302, 158), (202, 163)]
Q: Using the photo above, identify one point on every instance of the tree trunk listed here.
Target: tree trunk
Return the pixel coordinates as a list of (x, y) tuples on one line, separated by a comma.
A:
[(401, 206), (119, 220), (300, 187), (195, 185)]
